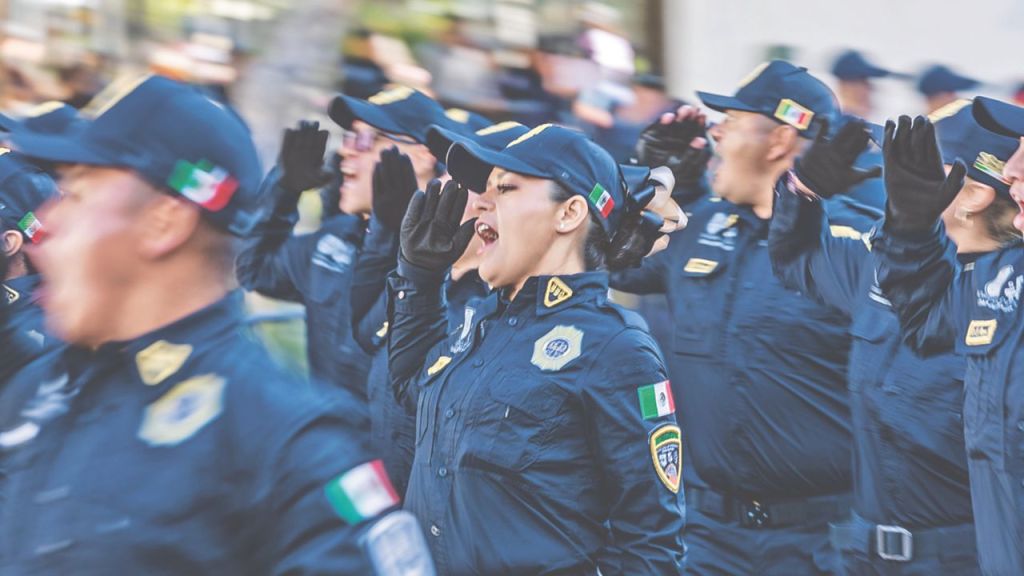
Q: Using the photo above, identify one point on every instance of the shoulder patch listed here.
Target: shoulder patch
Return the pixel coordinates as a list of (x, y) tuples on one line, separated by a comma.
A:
[(556, 292), (160, 360), (561, 345), (656, 400), (667, 454), (700, 266), (184, 410), (361, 493), (439, 365), (980, 332)]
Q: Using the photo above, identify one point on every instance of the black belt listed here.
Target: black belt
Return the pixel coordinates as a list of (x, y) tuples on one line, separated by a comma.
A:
[(752, 512), (898, 544)]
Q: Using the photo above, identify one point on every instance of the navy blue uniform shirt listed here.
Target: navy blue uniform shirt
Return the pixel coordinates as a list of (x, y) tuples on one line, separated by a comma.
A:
[(546, 440), (763, 403), (942, 308)]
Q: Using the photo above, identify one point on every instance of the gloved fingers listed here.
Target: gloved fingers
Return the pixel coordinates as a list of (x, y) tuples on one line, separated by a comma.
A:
[(452, 203), (954, 181), (463, 236), (433, 198)]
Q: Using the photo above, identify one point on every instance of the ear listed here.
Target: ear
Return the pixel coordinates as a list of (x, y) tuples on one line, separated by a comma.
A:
[(571, 214), (976, 197), (166, 224), (783, 141), (13, 242)]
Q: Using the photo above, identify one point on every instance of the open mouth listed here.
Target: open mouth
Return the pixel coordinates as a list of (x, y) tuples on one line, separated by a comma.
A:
[(1018, 220), (486, 233)]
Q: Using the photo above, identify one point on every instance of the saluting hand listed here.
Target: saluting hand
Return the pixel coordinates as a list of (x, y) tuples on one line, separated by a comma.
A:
[(678, 141), (394, 183), (302, 157), (916, 183), (827, 168), (432, 237)]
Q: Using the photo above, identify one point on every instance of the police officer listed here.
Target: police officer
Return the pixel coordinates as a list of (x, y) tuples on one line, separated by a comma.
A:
[(912, 508), (164, 441), (312, 269), (939, 85), (762, 401), (546, 439), (384, 164), (978, 316), (23, 189)]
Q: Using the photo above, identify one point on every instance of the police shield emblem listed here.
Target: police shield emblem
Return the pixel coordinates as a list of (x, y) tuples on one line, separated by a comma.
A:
[(561, 345), (667, 454), (183, 411)]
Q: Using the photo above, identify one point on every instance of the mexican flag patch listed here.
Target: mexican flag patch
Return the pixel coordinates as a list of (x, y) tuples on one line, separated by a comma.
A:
[(32, 227), (602, 200), (363, 492), (656, 400), (203, 183)]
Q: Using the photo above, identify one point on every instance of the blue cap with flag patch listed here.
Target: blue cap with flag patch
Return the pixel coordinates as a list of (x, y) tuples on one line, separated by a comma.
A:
[(939, 79), (399, 110), (984, 152), (495, 137), (852, 65), (999, 117), (23, 189), (553, 153), (784, 93), (172, 136)]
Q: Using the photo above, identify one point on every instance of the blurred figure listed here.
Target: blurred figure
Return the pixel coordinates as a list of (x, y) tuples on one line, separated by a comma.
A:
[(603, 41), (939, 85), (856, 90), (362, 76)]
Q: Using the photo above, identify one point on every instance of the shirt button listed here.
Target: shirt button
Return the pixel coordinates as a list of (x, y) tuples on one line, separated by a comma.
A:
[(442, 472), (435, 530), (748, 285), (1020, 425), (449, 413), (478, 363), (401, 294), (513, 321)]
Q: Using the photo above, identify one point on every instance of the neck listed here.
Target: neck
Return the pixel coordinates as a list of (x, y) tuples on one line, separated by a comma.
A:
[(971, 242), (556, 262), (157, 302)]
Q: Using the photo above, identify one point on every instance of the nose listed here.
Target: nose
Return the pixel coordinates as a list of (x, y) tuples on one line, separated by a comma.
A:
[(716, 132), (480, 203), (1014, 169)]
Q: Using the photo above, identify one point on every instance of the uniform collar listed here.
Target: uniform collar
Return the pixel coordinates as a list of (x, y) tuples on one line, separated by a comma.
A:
[(20, 292), (548, 294)]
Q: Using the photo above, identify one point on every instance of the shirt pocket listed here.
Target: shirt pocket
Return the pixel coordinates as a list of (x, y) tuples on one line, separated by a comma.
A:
[(513, 422), (698, 310)]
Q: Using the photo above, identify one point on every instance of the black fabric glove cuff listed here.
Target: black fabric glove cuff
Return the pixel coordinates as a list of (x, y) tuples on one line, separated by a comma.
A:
[(418, 274)]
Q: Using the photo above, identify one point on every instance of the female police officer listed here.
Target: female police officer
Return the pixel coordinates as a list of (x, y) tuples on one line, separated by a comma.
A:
[(978, 315), (912, 507), (546, 438)]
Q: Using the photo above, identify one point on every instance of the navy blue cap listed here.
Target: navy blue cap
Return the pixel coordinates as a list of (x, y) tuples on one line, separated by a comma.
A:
[(851, 65), (553, 153), (999, 117), (52, 116), (939, 79), (23, 189), (984, 152), (399, 110), (471, 121), (782, 92), (495, 137), (171, 135)]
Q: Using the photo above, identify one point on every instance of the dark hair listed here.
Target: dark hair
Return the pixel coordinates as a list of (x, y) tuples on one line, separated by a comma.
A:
[(998, 220), (625, 249)]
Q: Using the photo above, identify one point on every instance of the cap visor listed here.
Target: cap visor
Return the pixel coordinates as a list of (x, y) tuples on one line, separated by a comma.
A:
[(635, 175), (999, 117), (722, 103), (471, 164), (7, 123), (59, 148), (344, 110), (439, 140)]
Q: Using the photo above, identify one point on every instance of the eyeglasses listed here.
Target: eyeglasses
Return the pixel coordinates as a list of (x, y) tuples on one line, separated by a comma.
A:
[(363, 140)]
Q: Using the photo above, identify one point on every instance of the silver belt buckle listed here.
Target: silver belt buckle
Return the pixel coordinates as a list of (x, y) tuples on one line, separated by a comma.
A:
[(906, 539)]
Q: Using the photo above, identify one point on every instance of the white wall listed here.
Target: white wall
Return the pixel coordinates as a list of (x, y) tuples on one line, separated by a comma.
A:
[(712, 44)]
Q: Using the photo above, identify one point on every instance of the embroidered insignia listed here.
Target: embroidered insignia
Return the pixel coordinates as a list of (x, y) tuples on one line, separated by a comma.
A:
[(794, 114), (439, 365), (980, 332), (556, 293), (383, 331), (11, 294), (160, 360), (184, 410), (667, 454), (561, 345), (391, 95), (361, 493), (838, 231), (462, 344), (700, 266), (656, 400), (1002, 294)]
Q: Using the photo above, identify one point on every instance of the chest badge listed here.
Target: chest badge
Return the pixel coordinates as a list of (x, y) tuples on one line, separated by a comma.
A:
[(439, 365), (184, 410), (561, 345), (160, 360), (980, 332), (556, 292), (667, 453)]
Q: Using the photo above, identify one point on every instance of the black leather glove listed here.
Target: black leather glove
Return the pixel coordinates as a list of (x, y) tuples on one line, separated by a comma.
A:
[(394, 183), (302, 157), (330, 193), (669, 145), (916, 183), (827, 166), (432, 237), (634, 239)]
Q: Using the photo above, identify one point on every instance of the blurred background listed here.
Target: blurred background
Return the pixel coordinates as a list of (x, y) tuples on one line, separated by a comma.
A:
[(606, 67)]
